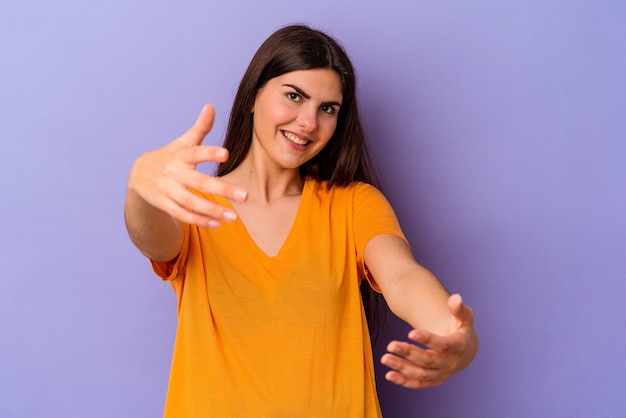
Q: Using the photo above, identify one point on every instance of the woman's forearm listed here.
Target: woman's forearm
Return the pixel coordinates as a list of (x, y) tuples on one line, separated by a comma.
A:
[(155, 233)]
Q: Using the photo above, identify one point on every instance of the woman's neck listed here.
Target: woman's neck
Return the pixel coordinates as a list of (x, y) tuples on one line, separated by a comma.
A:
[(263, 183)]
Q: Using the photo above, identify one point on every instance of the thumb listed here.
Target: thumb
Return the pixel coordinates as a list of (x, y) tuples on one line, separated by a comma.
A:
[(460, 311), (200, 129)]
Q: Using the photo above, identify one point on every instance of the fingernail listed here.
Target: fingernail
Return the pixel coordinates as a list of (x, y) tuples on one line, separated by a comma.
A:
[(415, 335), (213, 224), (229, 216), (390, 361), (240, 194)]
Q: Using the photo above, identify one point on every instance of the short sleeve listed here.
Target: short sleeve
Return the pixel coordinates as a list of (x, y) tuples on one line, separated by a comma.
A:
[(372, 216)]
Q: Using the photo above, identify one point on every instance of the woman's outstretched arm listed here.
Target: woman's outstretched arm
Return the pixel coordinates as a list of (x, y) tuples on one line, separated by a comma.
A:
[(443, 341), (160, 197)]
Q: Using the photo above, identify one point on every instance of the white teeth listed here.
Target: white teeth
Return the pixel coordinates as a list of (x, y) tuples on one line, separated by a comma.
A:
[(295, 139)]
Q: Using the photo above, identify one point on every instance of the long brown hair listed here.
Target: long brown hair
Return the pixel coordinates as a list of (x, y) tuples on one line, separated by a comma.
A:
[(345, 158)]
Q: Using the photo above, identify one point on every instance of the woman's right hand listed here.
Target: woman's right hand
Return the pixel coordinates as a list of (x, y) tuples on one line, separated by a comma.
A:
[(164, 177)]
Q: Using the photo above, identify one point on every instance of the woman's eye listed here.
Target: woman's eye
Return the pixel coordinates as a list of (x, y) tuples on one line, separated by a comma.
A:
[(293, 96), (328, 109)]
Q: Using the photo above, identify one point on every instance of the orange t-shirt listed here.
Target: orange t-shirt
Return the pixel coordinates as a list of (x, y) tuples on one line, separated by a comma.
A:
[(282, 336)]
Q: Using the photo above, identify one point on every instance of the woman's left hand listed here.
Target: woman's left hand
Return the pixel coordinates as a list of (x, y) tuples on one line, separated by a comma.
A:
[(437, 357)]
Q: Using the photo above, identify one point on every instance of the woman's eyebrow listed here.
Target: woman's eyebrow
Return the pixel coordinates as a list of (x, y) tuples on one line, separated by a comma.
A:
[(298, 90), (308, 96)]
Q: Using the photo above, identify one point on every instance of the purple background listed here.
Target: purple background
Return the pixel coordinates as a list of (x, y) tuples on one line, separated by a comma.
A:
[(499, 128)]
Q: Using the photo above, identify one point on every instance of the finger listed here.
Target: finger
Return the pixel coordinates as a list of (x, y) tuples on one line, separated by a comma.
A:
[(408, 368), (202, 209), (421, 357), (404, 381), (412, 383), (217, 187), (446, 344), (189, 178), (189, 217), (203, 154), (409, 375), (200, 129), (461, 312)]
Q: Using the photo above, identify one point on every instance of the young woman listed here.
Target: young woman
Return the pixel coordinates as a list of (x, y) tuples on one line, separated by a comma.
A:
[(268, 256)]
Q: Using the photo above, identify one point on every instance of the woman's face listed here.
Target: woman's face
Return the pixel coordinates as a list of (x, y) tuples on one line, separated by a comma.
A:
[(295, 115)]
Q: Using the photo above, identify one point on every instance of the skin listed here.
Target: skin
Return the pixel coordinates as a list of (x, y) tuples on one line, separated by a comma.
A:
[(295, 116), (300, 106)]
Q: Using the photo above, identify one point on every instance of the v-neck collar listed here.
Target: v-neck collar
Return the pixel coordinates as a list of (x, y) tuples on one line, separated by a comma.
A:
[(288, 244)]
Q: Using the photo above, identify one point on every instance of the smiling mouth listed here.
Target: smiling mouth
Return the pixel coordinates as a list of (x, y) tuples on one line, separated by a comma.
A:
[(295, 139)]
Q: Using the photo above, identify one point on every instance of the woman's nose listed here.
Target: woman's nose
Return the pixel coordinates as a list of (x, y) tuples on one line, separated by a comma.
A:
[(307, 119)]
